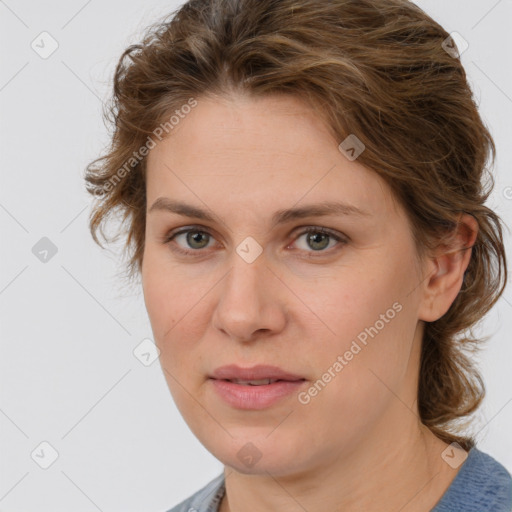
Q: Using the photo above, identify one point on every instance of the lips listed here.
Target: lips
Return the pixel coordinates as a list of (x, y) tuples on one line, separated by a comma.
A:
[(255, 388), (255, 375)]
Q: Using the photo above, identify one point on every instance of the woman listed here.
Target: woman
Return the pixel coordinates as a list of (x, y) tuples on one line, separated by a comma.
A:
[(327, 158)]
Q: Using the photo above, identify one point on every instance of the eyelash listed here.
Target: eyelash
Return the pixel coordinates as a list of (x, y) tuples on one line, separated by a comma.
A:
[(310, 229)]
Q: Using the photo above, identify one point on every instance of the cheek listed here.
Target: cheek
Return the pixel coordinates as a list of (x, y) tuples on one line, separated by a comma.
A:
[(357, 382), (160, 304), (367, 325), (177, 312), (171, 316), (164, 308), (164, 290), (346, 304)]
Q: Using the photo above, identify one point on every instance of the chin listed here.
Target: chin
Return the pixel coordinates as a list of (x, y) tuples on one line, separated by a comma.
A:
[(259, 454)]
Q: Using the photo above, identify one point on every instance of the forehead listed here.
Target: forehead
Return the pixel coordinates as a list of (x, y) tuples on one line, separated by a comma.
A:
[(256, 150), (242, 125)]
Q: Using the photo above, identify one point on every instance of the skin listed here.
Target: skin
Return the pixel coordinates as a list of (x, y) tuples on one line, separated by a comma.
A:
[(359, 443)]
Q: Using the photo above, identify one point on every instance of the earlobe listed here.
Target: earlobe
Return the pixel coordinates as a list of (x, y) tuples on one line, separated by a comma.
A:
[(447, 270)]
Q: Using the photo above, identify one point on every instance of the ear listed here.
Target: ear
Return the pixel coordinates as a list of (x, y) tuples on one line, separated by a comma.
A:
[(445, 270)]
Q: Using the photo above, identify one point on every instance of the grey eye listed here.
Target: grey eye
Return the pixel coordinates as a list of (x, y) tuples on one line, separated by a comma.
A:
[(318, 241), (195, 239)]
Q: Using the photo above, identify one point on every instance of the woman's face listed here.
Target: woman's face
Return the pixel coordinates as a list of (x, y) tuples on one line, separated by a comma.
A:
[(246, 285)]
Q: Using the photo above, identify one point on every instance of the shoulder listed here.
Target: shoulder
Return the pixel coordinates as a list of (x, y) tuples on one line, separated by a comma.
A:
[(482, 484), (205, 499)]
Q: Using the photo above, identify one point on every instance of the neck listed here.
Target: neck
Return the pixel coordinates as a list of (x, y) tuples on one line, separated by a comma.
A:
[(385, 473)]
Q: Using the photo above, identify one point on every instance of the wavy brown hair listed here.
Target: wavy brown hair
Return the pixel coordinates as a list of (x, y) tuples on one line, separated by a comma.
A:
[(374, 68)]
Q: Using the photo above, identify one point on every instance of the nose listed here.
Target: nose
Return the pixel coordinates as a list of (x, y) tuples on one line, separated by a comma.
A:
[(250, 301)]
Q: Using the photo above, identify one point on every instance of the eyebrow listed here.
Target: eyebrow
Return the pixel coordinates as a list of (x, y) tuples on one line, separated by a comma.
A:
[(280, 217)]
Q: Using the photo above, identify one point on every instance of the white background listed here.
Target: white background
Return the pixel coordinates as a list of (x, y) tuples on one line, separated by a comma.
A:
[(68, 326)]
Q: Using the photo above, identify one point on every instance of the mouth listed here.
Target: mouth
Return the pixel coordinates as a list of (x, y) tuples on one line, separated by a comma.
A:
[(260, 382), (255, 375), (254, 388)]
